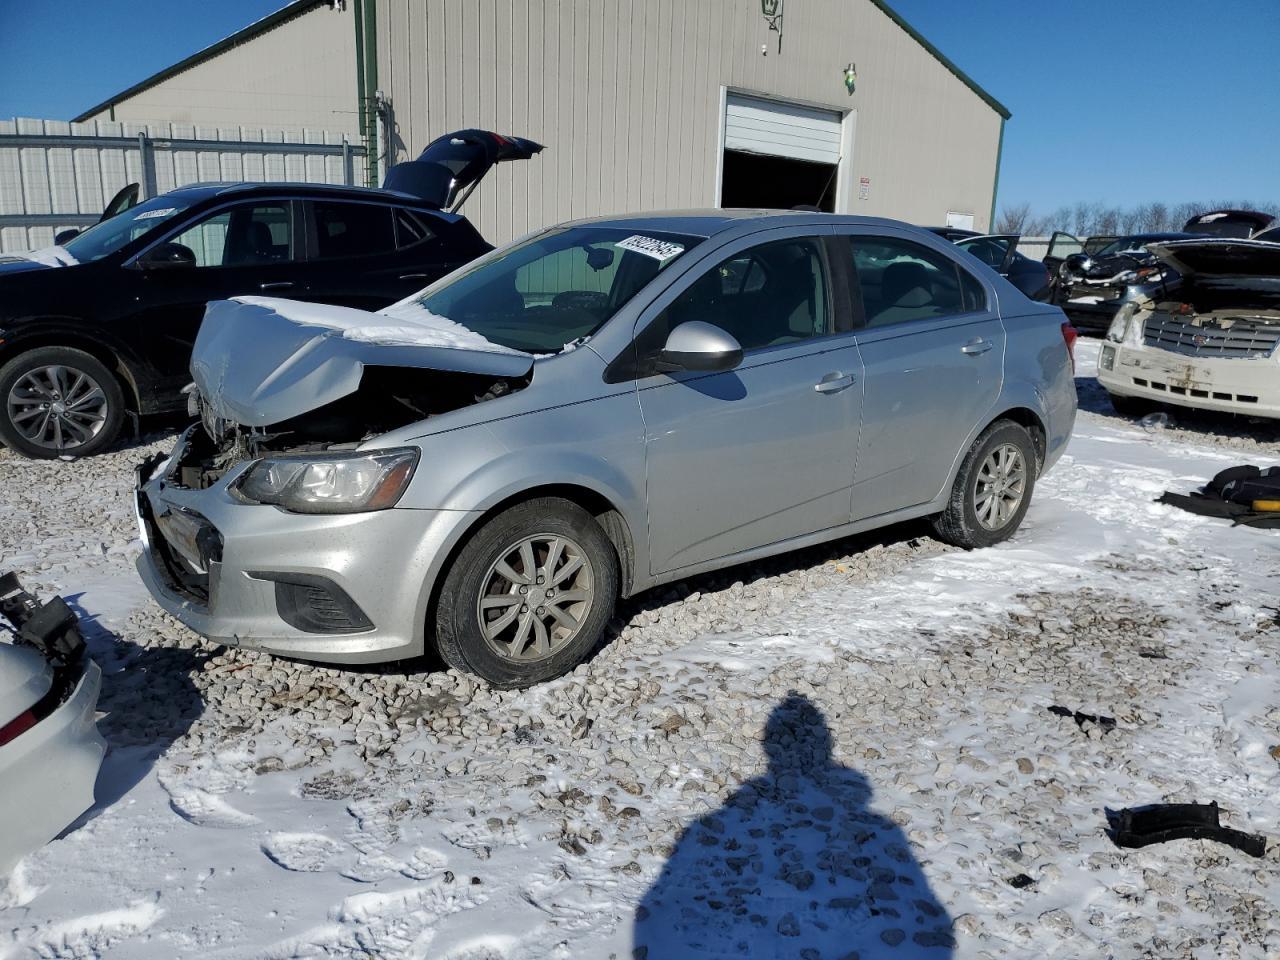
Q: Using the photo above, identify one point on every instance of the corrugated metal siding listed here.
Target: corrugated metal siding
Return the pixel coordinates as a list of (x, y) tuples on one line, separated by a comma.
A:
[(301, 74), (625, 95), (79, 181)]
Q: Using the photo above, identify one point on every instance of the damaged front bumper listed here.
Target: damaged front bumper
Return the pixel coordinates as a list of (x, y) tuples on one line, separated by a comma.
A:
[(337, 587), (1249, 386)]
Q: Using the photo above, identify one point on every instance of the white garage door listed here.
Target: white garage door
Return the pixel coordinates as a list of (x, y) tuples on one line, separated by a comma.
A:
[(781, 129)]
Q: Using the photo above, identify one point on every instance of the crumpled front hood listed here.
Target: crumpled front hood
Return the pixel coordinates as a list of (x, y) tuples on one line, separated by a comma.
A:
[(259, 360)]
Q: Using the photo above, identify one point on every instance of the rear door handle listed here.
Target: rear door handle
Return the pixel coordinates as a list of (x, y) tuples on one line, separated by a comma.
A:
[(278, 285), (977, 346), (413, 276), (834, 382)]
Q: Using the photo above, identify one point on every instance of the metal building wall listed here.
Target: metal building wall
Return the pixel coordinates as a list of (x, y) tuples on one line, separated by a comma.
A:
[(300, 74), (625, 94)]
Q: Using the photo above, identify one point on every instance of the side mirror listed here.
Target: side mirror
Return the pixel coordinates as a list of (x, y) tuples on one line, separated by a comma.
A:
[(168, 256), (697, 345), (62, 236)]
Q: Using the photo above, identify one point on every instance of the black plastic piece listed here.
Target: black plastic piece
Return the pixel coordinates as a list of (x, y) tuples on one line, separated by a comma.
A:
[(52, 627), (1106, 723), (1140, 826), (315, 604)]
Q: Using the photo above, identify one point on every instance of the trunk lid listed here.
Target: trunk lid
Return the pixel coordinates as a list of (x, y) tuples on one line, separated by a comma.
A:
[(306, 355), (1228, 223), (451, 166)]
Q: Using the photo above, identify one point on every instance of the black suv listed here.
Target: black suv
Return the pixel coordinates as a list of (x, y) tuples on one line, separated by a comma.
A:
[(104, 323)]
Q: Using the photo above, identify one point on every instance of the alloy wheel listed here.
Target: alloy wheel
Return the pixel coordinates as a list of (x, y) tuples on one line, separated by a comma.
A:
[(1001, 485), (535, 597), (57, 407)]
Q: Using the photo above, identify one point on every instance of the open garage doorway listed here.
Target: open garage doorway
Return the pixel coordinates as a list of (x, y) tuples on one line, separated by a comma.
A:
[(753, 180), (779, 155)]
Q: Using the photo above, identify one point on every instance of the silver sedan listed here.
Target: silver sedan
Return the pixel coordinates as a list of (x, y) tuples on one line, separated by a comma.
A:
[(607, 405)]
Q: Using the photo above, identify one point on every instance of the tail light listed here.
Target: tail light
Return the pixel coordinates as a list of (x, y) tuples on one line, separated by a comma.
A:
[(20, 724), (1069, 334)]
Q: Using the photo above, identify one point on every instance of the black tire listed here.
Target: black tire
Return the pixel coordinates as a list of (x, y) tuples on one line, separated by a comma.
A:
[(459, 637), (1130, 406), (77, 362), (959, 525)]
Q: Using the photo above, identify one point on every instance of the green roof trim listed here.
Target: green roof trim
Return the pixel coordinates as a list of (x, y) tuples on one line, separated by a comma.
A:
[(942, 58), (271, 20)]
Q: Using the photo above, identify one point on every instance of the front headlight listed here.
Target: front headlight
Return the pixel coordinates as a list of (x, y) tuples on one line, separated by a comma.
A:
[(1119, 328), (350, 482)]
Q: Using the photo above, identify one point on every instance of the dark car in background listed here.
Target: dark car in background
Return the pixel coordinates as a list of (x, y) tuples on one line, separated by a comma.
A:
[(102, 326), (1093, 282), (1000, 252)]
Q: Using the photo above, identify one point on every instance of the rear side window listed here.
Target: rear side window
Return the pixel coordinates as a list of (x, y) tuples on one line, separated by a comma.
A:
[(411, 229), (901, 281), (352, 229)]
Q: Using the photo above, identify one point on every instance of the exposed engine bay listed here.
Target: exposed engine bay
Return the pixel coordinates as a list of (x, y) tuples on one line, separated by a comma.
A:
[(387, 398)]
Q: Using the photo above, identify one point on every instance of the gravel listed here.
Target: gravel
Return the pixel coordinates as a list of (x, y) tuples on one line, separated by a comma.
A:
[(634, 763)]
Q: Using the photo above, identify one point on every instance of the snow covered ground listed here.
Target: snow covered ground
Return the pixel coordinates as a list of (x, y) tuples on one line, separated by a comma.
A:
[(845, 752)]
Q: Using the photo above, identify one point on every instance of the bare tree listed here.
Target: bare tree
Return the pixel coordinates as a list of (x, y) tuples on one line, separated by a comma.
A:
[(1013, 219), (1086, 218)]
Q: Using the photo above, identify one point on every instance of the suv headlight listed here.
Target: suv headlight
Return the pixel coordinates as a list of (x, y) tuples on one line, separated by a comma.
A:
[(1119, 330), (351, 482)]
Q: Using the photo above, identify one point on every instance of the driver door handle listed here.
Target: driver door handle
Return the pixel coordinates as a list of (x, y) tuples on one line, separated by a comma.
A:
[(976, 346), (834, 382), (278, 285)]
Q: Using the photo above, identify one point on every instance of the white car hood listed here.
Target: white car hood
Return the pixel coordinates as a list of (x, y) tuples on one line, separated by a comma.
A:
[(261, 360)]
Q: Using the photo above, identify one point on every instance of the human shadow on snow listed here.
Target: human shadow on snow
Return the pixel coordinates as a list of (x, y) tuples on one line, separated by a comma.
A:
[(795, 865)]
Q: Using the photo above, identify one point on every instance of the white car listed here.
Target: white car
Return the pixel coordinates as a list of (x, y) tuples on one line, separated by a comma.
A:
[(50, 748), (1208, 340)]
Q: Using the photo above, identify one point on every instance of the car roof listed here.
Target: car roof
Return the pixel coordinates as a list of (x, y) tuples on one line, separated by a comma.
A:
[(1152, 237), (209, 190), (712, 221)]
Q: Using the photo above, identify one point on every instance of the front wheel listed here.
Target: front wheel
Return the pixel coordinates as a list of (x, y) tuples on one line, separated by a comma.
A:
[(992, 490), (58, 402), (529, 595)]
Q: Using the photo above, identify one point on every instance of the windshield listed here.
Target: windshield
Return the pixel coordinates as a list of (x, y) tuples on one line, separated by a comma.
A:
[(105, 238), (556, 287)]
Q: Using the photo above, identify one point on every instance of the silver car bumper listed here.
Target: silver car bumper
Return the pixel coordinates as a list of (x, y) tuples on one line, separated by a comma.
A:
[(346, 588), (47, 773)]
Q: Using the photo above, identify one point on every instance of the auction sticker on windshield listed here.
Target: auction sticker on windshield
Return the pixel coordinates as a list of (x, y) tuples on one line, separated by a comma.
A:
[(154, 214), (651, 247)]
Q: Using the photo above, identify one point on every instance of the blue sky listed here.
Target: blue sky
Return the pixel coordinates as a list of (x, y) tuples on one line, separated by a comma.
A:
[(1113, 102)]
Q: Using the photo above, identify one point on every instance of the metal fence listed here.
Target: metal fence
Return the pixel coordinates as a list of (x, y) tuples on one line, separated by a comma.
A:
[(55, 174)]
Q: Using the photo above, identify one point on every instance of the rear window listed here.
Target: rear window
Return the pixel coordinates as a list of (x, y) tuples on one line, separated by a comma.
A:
[(352, 229)]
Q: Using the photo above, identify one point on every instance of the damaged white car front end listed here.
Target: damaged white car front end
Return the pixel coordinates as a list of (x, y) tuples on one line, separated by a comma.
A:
[(1211, 343)]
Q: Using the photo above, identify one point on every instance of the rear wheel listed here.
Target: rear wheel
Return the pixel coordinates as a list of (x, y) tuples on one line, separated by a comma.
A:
[(992, 490), (1130, 406), (57, 402), (529, 595)]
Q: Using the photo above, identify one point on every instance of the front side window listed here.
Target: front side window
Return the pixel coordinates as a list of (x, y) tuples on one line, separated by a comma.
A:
[(556, 287), (241, 236), (352, 229), (901, 281), (766, 296)]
